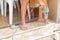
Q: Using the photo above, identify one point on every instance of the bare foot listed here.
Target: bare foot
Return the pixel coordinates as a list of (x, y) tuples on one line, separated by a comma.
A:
[(47, 21), (41, 20), (23, 27)]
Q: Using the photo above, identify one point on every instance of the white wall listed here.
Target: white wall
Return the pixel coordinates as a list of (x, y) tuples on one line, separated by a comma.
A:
[(52, 9), (58, 11)]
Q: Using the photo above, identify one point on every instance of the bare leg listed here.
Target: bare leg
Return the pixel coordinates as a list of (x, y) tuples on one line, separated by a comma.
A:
[(40, 12), (23, 13)]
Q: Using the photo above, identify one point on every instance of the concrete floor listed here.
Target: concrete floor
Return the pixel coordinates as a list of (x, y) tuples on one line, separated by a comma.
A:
[(25, 36), (4, 21)]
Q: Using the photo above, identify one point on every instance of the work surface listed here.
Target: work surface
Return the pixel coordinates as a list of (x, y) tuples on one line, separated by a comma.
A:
[(28, 35)]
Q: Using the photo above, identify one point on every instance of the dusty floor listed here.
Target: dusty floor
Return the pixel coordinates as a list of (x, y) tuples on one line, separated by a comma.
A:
[(27, 35), (4, 21), (24, 36)]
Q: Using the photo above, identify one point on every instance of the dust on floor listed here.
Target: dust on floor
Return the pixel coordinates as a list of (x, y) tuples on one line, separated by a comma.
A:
[(24, 36)]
